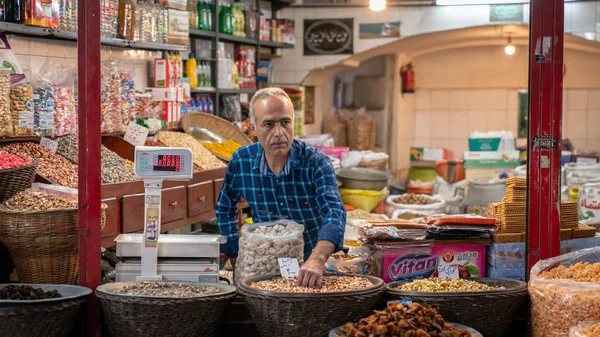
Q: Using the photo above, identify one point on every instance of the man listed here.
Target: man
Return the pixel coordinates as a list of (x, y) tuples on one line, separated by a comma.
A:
[(281, 177)]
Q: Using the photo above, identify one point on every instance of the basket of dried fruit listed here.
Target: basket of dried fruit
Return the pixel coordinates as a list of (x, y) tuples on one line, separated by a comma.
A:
[(16, 175), (141, 309), (486, 304), (40, 231), (281, 308), (404, 319), (40, 310)]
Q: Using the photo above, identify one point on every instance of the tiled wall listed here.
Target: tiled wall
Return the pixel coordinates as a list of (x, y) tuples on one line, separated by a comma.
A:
[(447, 117)]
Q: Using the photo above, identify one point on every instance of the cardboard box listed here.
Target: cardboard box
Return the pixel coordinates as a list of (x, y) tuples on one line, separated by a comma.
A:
[(492, 144), (171, 113), (179, 27), (418, 261), (429, 154), (168, 94), (482, 159), (177, 4), (42, 13), (164, 73)]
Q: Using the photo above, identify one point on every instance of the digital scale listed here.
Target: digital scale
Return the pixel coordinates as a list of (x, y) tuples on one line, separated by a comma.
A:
[(152, 256)]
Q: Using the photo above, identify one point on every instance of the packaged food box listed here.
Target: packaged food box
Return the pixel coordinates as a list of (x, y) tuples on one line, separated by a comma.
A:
[(179, 27), (168, 94), (492, 141), (425, 261), (171, 113), (484, 159), (429, 154), (42, 13), (165, 74)]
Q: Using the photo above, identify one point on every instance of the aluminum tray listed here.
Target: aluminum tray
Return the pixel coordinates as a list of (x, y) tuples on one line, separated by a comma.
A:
[(172, 245)]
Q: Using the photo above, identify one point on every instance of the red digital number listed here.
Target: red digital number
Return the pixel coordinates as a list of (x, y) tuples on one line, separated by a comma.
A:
[(160, 163)]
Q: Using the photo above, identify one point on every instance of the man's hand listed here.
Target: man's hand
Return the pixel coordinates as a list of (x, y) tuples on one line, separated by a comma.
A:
[(311, 273)]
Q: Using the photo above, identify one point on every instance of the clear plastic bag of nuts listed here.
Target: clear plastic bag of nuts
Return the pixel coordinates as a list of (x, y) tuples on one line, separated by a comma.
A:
[(565, 292), (587, 329), (261, 244)]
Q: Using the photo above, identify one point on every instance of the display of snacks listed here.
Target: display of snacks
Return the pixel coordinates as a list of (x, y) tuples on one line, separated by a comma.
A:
[(485, 211), (26, 293), (202, 157), (500, 237), (222, 150), (30, 200), (438, 285), (401, 319), (150, 142), (579, 272), (9, 161), (415, 199), (360, 214), (168, 289), (583, 231), (587, 330), (52, 166), (330, 284), (21, 107), (352, 243), (6, 122)]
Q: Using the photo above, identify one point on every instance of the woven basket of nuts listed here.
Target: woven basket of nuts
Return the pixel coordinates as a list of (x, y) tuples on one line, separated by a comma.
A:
[(488, 305), (40, 310), (142, 309), (281, 308)]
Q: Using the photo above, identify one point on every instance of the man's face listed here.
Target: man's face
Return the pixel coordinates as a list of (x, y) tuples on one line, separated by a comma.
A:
[(275, 125)]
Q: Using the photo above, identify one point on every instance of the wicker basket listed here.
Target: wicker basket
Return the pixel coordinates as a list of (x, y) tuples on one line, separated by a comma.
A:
[(142, 316), (308, 314), (43, 244), (16, 180), (215, 124), (43, 318), (490, 312)]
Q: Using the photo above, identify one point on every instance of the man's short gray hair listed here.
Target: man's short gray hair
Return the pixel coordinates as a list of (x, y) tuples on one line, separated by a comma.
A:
[(262, 94)]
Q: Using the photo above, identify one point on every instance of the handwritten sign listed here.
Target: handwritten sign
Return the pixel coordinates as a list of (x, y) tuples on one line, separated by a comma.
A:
[(288, 266), (448, 272), (49, 143), (136, 134)]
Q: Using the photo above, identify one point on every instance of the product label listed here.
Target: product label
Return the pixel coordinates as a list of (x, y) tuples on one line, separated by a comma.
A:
[(152, 220), (45, 120), (25, 120)]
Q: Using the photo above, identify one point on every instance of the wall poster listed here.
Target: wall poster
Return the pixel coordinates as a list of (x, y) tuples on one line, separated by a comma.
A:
[(378, 30), (329, 37)]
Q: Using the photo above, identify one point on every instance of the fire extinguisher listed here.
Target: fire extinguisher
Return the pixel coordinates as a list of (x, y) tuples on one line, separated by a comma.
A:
[(407, 73)]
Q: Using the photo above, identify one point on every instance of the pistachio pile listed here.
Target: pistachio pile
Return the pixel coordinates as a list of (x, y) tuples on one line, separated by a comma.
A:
[(30, 200), (330, 284), (437, 285), (168, 289)]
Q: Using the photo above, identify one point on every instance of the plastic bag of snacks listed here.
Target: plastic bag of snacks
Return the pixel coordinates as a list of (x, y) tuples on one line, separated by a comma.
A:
[(6, 123), (127, 96), (355, 263), (112, 115), (21, 108), (261, 244), (363, 130), (588, 329), (418, 203), (565, 292), (336, 127), (589, 204)]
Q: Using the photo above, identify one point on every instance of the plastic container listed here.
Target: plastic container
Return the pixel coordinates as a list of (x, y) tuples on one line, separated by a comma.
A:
[(191, 70), (366, 200)]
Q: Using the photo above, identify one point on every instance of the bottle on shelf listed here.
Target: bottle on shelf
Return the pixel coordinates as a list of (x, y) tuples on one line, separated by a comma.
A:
[(191, 70), (126, 20), (223, 19), (209, 14), (14, 11), (193, 13), (209, 106), (161, 25)]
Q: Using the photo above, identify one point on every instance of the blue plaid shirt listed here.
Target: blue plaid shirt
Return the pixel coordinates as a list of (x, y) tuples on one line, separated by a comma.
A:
[(304, 191)]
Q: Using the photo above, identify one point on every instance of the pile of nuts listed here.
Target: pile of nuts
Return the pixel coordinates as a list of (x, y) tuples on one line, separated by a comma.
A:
[(330, 284), (51, 165), (168, 289), (484, 211), (360, 214), (564, 297), (415, 199), (438, 285), (401, 319), (27, 293), (591, 330), (68, 147), (30, 200), (202, 156), (261, 246)]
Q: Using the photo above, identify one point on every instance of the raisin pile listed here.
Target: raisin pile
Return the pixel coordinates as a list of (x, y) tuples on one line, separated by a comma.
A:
[(13, 292)]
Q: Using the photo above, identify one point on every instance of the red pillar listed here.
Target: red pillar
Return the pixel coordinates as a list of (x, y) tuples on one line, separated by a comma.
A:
[(545, 116), (88, 54)]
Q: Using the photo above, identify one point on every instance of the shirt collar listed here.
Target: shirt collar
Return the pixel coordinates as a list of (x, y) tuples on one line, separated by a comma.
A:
[(260, 162)]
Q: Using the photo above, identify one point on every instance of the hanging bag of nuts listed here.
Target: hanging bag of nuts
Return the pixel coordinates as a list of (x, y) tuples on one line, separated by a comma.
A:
[(261, 244), (565, 292), (363, 130), (336, 127)]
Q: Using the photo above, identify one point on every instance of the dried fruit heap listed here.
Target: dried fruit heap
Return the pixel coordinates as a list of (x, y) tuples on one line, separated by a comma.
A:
[(13, 292), (437, 285), (400, 319), (330, 284), (590, 331)]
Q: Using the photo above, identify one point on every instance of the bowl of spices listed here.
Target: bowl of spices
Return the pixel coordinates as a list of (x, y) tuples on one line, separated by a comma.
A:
[(40, 310), (486, 304)]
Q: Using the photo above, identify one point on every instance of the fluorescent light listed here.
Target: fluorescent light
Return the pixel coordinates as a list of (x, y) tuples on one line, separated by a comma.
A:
[(481, 2), (377, 5)]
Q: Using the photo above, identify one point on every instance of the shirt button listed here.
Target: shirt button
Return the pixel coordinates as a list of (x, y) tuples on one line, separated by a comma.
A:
[(277, 180), (281, 204)]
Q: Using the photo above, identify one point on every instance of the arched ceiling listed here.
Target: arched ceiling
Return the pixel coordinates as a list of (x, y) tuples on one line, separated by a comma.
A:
[(416, 45)]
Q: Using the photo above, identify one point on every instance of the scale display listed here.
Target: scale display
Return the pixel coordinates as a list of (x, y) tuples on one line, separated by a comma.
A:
[(163, 162)]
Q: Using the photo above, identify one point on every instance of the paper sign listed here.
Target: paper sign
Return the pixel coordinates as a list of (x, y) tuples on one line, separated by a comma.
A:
[(288, 266), (136, 134), (49, 143), (448, 272), (243, 98)]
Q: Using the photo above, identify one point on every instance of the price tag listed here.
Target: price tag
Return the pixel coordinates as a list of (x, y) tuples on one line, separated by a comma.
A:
[(243, 98), (448, 271), (288, 266), (49, 143), (136, 134)]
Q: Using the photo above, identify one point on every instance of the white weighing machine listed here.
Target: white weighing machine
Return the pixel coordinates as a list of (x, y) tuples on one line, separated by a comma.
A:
[(152, 256)]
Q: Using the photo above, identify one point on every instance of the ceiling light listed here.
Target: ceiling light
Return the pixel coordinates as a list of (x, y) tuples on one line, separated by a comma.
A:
[(377, 5), (510, 48)]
